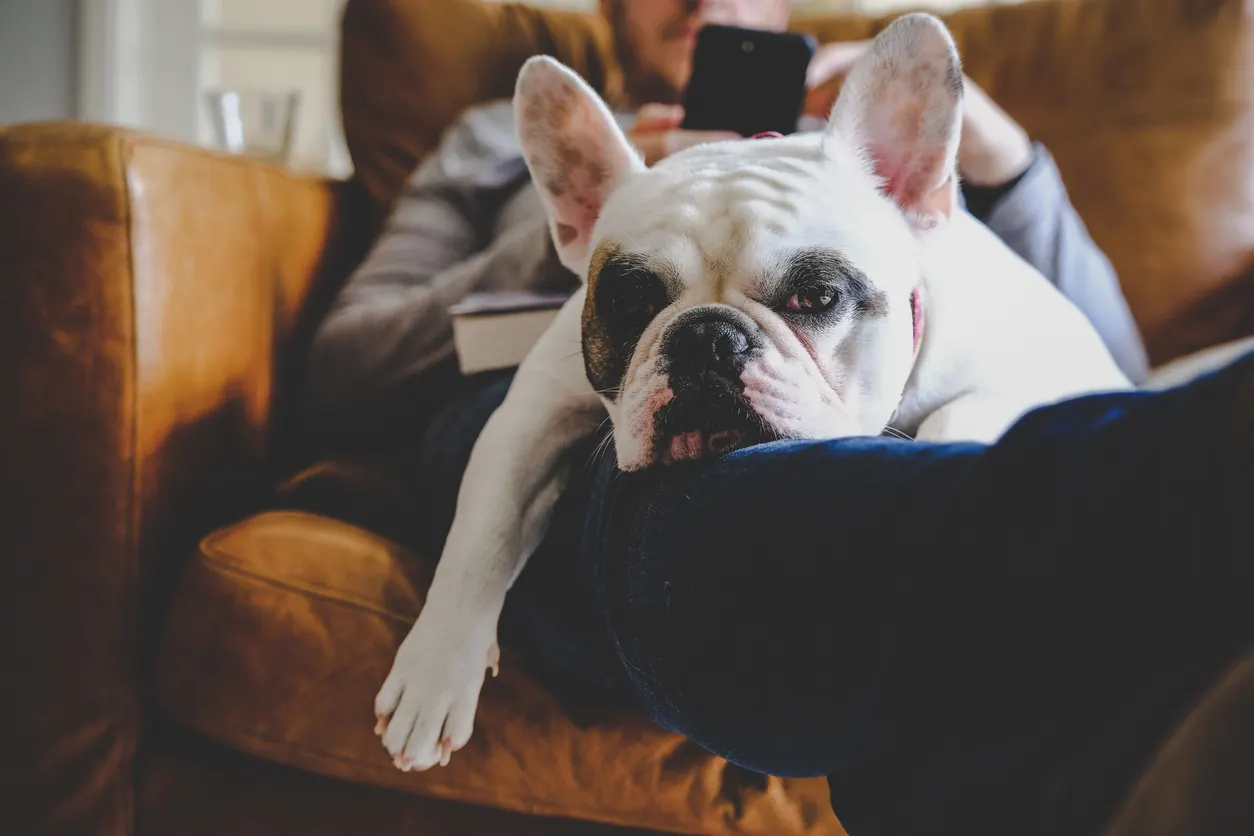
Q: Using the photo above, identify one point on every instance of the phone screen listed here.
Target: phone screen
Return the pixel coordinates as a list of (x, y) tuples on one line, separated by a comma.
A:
[(748, 81)]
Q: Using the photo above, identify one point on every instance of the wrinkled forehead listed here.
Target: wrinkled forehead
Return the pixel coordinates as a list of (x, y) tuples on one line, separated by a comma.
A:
[(731, 213)]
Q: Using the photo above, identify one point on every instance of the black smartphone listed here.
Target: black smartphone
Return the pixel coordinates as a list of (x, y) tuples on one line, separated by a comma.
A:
[(747, 80)]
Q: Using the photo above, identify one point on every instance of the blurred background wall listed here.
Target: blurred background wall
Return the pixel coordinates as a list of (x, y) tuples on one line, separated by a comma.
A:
[(38, 56)]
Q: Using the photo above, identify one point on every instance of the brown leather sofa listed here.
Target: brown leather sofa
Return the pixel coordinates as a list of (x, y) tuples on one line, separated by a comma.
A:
[(190, 651)]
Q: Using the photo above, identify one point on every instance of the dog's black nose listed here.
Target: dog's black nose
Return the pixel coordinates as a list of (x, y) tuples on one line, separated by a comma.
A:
[(716, 340)]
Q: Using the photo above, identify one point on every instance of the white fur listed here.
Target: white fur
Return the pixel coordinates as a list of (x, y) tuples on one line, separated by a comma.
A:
[(879, 188)]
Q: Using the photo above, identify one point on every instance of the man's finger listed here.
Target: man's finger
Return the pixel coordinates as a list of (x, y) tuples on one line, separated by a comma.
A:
[(658, 117), (652, 146), (832, 62), (821, 100)]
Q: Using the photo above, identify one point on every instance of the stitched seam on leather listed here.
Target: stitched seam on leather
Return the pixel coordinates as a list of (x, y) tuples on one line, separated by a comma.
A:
[(212, 539), (480, 795), (131, 139), (215, 560), (219, 157)]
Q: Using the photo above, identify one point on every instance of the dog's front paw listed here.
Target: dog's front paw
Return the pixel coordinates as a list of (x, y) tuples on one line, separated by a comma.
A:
[(426, 707)]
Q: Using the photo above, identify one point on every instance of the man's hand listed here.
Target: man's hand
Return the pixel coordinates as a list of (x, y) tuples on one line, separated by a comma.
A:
[(993, 150), (826, 75), (657, 134)]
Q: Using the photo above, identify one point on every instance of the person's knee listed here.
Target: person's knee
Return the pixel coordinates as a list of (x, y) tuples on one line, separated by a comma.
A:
[(728, 625), (676, 592), (658, 613)]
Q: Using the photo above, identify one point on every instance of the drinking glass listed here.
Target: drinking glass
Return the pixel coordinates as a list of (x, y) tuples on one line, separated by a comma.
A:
[(256, 123)]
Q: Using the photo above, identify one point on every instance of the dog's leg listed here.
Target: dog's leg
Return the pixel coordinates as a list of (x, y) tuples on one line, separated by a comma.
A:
[(516, 472)]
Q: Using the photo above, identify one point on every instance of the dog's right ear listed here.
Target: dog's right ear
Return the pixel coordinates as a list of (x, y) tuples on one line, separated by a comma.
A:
[(574, 149), (901, 109)]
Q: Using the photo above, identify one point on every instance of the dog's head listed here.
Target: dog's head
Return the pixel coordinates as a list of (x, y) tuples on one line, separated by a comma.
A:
[(759, 289)]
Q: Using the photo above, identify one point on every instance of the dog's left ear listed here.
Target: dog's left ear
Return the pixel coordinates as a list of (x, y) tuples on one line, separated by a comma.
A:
[(574, 149), (901, 108)]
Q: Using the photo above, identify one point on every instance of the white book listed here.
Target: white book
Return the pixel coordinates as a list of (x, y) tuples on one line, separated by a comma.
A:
[(496, 330)]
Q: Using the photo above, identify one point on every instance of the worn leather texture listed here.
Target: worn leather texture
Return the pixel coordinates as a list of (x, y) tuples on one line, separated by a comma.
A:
[(1147, 106), (1200, 780), (298, 617), (149, 296)]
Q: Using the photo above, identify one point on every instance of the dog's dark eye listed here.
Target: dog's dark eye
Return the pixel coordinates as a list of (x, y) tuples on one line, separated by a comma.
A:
[(813, 300), (631, 303), (630, 298)]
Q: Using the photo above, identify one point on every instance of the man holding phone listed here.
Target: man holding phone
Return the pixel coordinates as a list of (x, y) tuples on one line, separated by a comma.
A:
[(386, 347)]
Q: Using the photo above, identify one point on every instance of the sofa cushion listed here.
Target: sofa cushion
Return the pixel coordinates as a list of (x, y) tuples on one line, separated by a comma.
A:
[(1146, 105), (285, 625)]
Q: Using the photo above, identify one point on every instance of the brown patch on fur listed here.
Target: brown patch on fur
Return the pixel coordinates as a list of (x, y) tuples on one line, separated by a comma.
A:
[(568, 154), (555, 186), (602, 362), (548, 113), (597, 173), (577, 174)]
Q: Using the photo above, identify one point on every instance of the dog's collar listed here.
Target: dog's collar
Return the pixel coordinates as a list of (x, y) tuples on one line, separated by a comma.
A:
[(768, 135), (916, 311)]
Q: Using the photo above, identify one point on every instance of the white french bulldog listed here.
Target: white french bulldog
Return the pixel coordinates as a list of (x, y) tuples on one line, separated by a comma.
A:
[(811, 286)]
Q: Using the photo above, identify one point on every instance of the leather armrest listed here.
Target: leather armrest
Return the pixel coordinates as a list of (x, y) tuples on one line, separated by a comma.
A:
[(152, 296)]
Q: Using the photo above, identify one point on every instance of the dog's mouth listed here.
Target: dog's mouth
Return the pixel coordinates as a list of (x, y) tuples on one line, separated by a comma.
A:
[(696, 444), (686, 430)]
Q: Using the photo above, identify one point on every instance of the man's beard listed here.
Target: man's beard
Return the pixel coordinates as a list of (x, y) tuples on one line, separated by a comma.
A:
[(644, 85)]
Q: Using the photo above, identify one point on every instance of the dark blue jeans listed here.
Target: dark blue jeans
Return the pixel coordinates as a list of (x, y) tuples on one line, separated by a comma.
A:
[(964, 638)]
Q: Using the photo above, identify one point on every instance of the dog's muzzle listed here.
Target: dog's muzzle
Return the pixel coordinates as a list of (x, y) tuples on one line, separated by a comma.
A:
[(705, 351), (709, 345)]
